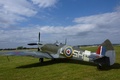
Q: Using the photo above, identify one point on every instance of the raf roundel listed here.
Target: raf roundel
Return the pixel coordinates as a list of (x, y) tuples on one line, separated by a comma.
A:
[(68, 52)]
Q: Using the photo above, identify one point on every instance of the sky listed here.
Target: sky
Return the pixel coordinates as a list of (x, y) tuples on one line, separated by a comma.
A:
[(82, 22)]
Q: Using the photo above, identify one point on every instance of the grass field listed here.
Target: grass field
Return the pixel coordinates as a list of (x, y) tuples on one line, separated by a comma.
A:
[(27, 68)]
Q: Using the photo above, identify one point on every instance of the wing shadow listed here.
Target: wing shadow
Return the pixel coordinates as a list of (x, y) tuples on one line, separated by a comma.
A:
[(56, 61), (115, 66), (67, 61)]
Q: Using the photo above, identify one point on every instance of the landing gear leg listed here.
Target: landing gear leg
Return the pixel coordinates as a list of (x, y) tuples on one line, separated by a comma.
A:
[(99, 66), (41, 60)]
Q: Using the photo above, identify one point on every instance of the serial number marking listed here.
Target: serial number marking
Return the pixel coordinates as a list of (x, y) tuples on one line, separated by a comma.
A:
[(77, 53)]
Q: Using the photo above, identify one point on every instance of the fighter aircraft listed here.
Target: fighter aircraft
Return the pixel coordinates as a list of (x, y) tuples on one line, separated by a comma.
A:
[(104, 56)]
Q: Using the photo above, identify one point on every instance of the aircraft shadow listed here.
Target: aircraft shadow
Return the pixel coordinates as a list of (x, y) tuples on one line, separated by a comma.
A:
[(57, 61), (115, 66)]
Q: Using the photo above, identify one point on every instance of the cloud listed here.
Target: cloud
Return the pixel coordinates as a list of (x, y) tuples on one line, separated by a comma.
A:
[(49, 33), (87, 30), (100, 19), (14, 11), (117, 8), (18, 7), (45, 3), (68, 30), (103, 23)]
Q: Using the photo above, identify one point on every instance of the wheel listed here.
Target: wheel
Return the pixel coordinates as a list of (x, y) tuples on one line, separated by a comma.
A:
[(41, 60)]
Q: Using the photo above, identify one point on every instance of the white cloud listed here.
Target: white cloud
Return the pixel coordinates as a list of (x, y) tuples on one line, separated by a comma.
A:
[(100, 19), (14, 11), (117, 8), (68, 30), (106, 26), (18, 7), (48, 33), (8, 19), (45, 3), (87, 30)]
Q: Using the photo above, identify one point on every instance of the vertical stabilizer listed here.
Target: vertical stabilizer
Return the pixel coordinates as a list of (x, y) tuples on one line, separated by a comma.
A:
[(106, 49)]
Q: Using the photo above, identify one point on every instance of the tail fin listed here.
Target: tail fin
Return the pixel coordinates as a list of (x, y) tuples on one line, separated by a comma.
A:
[(106, 49)]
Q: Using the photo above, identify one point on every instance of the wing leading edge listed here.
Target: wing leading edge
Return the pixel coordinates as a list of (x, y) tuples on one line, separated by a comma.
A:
[(26, 53)]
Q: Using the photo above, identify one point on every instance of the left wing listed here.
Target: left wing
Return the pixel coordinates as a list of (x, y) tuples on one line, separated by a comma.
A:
[(26, 53)]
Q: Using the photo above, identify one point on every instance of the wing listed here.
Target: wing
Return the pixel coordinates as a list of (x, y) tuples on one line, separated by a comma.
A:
[(26, 53)]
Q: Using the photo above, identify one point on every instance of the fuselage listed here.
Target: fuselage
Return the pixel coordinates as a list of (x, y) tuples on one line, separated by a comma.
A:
[(65, 51), (51, 48), (105, 53)]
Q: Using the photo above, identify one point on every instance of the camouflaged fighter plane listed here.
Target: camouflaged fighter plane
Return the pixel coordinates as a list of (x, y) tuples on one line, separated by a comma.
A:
[(105, 54)]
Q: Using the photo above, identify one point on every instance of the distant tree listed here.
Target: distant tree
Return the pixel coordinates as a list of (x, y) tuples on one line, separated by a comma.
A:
[(24, 47), (20, 47)]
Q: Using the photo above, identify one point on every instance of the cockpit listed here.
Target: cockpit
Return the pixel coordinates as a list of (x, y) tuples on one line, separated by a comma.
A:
[(58, 43)]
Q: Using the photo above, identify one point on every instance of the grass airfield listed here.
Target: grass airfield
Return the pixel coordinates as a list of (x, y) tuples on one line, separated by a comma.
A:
[(28, 68)]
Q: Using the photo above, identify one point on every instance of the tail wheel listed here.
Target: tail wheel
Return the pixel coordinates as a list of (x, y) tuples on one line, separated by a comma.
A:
[(41, 60)]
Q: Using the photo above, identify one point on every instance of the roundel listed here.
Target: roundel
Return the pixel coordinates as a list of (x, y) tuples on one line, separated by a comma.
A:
[(68, 52)]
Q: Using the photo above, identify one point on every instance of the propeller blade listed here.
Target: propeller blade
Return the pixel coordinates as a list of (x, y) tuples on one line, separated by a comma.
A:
[(32, 44), (39, 37)]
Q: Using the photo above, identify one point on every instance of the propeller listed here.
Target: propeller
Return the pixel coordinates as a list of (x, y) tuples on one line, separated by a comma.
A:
[(38, 43), (39, 38)]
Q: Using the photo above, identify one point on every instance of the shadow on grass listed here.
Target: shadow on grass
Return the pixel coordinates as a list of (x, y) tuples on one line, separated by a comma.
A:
[(57, 61), (115, 66), (106, 68)]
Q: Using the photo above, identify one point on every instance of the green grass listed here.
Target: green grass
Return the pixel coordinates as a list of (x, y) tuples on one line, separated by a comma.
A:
[(28, 68)]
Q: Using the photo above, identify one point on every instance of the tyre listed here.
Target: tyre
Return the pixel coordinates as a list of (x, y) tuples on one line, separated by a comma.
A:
[(41, 60)]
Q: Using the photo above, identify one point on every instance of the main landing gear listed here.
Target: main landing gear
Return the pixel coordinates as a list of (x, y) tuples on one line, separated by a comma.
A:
[(41, 60)]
